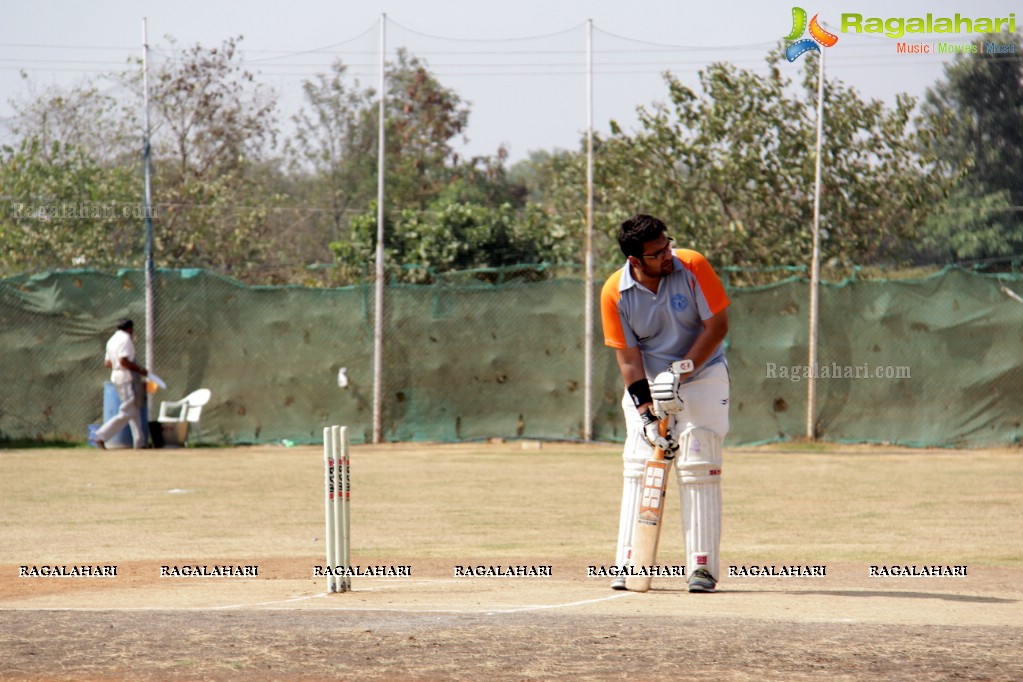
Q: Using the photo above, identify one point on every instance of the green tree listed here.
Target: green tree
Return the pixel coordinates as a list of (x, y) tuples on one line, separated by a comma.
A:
[(213, 127), (209, 115), (62, 210), (422, 119), (334, 146), (69, 196), (450, 236), (213, 130), (444, 212), (80, 118), (731, 170), (974, 121)]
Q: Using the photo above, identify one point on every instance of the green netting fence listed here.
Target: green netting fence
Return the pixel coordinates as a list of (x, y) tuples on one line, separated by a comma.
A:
[(934, 361)]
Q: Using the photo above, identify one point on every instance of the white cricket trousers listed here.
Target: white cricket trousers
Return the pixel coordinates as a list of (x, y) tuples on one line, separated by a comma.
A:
[(705, 405), (128, 413)]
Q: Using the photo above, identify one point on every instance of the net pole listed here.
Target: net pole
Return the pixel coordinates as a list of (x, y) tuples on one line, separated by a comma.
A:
[(588, 277), (378, 326), (147, 212), (811, 389)]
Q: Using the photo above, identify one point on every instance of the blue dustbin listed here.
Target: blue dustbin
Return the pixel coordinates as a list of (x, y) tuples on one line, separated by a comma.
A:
[(111, 405)]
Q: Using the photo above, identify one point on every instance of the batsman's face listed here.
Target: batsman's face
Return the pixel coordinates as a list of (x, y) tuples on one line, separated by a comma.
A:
[(658, 258)]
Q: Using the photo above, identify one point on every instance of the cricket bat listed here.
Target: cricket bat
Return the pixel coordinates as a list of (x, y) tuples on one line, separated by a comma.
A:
[(648, 523)]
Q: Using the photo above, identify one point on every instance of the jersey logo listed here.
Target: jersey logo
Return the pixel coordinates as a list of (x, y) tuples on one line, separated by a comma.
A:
[(679, 302)]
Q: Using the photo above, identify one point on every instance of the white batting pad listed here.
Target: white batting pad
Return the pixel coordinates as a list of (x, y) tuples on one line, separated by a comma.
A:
[(634, 458), (631, 490), (698, 466)]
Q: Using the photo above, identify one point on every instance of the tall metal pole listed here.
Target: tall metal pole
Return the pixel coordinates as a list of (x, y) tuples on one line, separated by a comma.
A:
[(147, 211), (811, 390), (588, 316), (378, 327)]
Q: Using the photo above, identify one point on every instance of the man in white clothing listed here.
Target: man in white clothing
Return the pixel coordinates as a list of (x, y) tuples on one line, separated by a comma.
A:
[(126, 376)]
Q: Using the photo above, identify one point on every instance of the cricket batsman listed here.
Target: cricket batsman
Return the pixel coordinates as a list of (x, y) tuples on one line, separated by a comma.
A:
[(665, 314)]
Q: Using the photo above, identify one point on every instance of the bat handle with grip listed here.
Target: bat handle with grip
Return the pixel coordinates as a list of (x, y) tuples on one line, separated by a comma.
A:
[(662, 428)]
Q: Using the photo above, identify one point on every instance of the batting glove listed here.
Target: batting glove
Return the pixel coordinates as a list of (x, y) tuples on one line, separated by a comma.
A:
[(651, 433), (666, 391)]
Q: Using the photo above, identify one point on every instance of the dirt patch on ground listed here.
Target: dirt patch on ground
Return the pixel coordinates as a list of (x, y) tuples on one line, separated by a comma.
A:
[(298, 645), (434, 627), (435, 508)]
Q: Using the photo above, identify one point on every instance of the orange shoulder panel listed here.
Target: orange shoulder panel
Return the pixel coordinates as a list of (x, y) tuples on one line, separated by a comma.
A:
[(612, 321), (708, 280)]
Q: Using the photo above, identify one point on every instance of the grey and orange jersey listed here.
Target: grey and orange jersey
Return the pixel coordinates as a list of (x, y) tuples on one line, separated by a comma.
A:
[(664, 325)]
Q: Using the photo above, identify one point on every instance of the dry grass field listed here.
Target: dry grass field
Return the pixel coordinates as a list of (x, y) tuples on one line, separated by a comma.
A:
[(433, 508)]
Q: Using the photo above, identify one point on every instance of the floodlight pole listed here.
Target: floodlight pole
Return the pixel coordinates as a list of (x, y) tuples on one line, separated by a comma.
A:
[(811, 390), (378, 326), (588, 277), (147, 212)]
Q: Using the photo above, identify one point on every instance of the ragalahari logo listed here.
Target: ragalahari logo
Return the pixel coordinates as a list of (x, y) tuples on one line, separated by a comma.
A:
[(818, 36)]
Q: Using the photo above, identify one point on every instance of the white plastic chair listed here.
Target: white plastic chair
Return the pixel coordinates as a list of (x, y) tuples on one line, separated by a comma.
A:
[(188, 409)]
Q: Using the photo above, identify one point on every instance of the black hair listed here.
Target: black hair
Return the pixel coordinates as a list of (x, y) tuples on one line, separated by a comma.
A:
[(124, 324), (637, 231)]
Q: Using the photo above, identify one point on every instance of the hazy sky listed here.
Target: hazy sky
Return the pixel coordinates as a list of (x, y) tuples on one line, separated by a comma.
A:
[(521, 64)]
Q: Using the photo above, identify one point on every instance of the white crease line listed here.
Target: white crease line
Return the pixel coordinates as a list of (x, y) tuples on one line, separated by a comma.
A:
[(542, 607), (403, 583), (267, 603), (411, 609), (515, 609), (396, 584)]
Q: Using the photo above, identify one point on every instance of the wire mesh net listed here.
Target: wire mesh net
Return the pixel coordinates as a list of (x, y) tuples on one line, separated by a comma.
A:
[(925, 361)]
